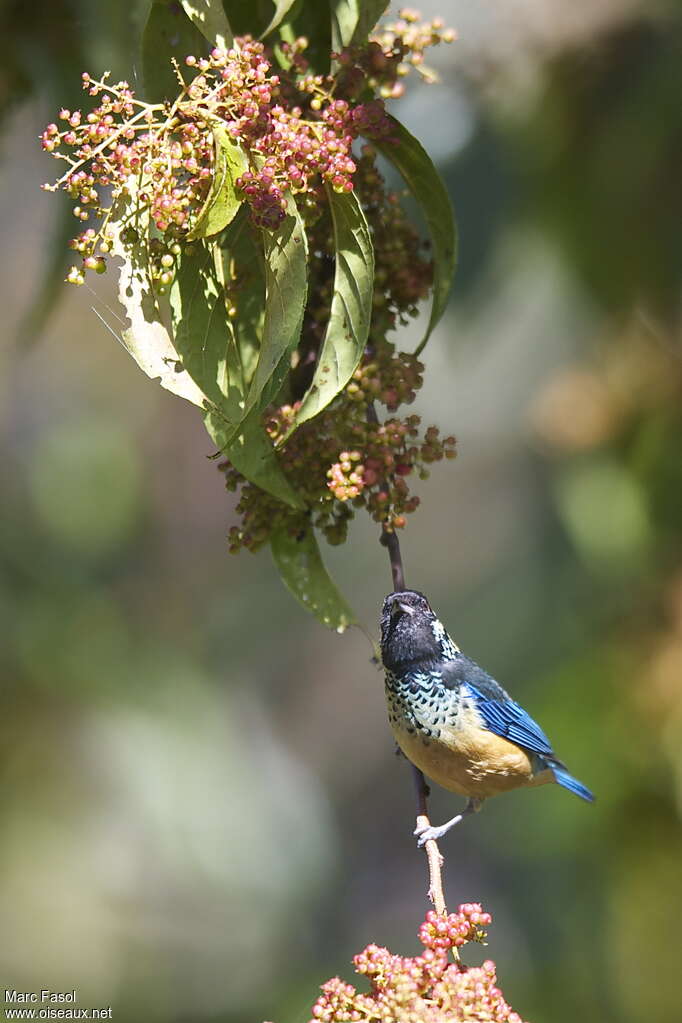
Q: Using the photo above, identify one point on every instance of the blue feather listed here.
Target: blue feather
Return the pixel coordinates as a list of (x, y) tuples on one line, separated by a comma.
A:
[(509, 720), (571, 783)]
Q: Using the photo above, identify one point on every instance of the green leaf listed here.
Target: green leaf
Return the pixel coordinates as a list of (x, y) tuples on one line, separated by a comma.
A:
[(311, 19), (252, 454), (146, 338), (204, 364), (243, 267), (167, 34), (210, 18), (300, 565), (282, 8), (351, 308), (223, 201), (204, 338), (286, 287), (426, 185), (249, 17), (353, 20)]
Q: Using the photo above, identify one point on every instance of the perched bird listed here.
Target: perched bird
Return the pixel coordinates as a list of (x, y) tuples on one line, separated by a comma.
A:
[(452, 720)]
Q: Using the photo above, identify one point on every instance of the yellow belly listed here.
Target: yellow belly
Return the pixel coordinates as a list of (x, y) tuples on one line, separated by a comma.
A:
[(470, 760)]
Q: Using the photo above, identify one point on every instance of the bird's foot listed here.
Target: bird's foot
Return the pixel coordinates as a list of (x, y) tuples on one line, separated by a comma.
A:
[(432, 834), (425, 832)]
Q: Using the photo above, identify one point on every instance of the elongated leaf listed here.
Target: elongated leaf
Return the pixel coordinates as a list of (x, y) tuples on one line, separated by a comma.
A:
[(370, 13), (426, 185), (167, 34), (282, 8), (146, 338), (249, 17), (210, 18), (205, 340), (244, 269), (252, 454), (286, 287), (353, 20), (223, 201), (351, 309), (311, 19), (300, 565), (203, 334), (151, 346)]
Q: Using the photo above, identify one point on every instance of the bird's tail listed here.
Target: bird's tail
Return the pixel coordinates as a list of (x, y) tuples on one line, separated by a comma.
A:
[(572, 784)]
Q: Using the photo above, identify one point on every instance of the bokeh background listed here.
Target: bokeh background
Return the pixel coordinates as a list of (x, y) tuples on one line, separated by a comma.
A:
[(202, 816)]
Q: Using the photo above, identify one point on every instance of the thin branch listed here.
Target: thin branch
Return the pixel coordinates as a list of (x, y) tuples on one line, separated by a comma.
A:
[(103, 145), (390, 541), (433, 855)]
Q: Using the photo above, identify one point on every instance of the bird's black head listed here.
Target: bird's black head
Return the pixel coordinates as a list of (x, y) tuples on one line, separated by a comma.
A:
[(408, 635)]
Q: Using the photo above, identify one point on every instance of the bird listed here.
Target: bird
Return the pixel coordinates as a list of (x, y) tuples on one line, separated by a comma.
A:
[(452, 720)]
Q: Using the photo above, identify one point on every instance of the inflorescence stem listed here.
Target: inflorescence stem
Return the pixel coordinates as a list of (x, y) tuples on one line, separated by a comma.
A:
[(390, 541)]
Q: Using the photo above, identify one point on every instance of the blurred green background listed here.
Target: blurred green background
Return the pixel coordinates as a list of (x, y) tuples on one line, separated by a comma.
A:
[(202, 816)]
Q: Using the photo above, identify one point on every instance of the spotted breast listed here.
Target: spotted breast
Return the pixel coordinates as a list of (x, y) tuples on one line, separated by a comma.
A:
[(441, 731)]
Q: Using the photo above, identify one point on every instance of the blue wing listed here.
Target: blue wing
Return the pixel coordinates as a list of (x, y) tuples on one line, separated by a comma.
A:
[(500, 713), (506, 718), (509, 720)]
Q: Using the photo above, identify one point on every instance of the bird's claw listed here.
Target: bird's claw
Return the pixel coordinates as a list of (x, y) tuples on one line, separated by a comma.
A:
[(426, 834)]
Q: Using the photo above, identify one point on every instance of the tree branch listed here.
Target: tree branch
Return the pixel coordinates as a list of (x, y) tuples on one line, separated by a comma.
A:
[(433, 855), (392, 545), (390, 541)]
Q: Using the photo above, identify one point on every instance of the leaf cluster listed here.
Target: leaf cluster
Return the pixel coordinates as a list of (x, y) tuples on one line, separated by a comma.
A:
[(259, 316)]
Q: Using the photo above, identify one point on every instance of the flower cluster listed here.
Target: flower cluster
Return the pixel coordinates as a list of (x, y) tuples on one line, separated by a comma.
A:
[(296, 129), (391, 452), (394, 50), (121, 143), (429, 987), (341, 462), (393, 379), (455, 929), (145, 172), (124, 141)]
